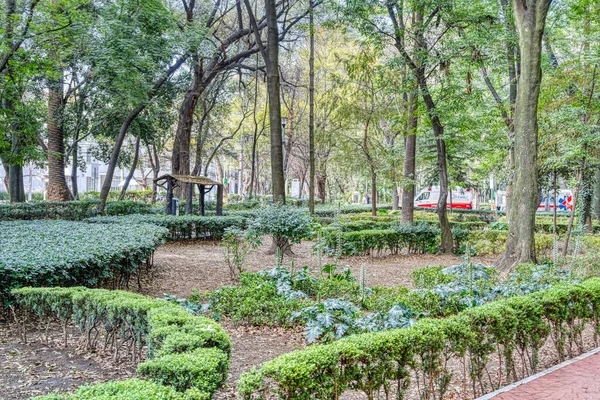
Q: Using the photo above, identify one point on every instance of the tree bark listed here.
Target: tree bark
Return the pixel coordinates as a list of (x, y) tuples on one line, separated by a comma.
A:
[(410, 149), (530, 18), (596, 200), (133, 114), (311, 114), (271, 56), (132, 170), (16, 186), (75, 167), (57, 182)]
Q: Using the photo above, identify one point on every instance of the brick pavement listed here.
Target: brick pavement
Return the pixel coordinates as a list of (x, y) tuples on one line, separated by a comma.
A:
[(579, 380)]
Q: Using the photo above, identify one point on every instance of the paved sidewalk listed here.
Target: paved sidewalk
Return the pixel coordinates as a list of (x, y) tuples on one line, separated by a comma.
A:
[(579, 380)]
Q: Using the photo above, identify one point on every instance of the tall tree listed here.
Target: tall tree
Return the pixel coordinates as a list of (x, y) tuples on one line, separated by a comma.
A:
[(530, 20), (311, 117)]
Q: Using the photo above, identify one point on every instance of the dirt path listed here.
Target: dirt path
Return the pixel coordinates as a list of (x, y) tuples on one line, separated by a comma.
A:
[(180, 267)]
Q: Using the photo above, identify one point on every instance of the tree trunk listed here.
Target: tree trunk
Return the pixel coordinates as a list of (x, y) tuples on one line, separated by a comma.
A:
[(180, 160), (596, 201), (57, 182), (321, 184), (272, 64), (410, 149), (311, 114), (133, 114), (395, 197), (132, 170), (75, 167), (15, 187), (373, 192), (530, 20)]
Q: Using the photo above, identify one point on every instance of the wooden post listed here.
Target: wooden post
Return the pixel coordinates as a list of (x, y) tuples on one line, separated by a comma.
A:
[(169, 210), (201, 199), (219, 199)]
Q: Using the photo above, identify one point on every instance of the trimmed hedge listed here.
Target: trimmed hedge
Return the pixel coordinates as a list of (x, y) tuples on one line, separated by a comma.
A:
[(70, 210), (185, 351), (68, 253), (180, 226), (418, 357), (129, 389)]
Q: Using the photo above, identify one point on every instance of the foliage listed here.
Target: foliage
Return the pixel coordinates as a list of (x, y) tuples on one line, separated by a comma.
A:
[(52, 253), (500, 330), (179, 226), (184, 351), (256, 300), (237, 244), (69, 210), (129, 389), (285, 223), (204, 369)]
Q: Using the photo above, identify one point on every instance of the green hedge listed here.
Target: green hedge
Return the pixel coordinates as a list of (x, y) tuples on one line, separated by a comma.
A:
[(67, 253), (70, 210), (432, 350), (185, 351), (180, 226), (418, 238), (129, 389)]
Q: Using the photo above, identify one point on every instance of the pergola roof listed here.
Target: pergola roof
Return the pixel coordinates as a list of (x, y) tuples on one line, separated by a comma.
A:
[(200, 180)]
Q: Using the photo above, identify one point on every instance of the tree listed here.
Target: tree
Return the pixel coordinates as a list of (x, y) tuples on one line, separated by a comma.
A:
[(530, 19)]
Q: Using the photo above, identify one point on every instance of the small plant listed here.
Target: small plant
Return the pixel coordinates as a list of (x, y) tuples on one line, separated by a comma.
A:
[(238, 244), (287, 225)]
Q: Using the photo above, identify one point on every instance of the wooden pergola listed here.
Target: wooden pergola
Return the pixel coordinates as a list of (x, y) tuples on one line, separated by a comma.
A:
[(205, 185)]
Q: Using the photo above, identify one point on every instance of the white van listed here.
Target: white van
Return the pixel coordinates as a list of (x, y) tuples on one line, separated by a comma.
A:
[(564, 201), (428, 198)]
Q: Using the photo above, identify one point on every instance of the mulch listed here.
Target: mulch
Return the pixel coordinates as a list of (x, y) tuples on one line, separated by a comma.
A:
[(36, 368)]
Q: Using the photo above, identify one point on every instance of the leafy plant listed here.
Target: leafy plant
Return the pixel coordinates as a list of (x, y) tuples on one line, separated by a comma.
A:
[(237, 244), (287, 225)]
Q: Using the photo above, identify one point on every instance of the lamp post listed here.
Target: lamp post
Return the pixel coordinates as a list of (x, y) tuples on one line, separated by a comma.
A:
[(283, 123)]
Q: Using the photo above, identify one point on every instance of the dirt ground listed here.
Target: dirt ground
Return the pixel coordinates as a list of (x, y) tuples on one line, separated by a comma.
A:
[(37, 368)]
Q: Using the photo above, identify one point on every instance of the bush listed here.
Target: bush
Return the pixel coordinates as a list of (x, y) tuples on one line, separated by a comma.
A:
[(493, 241), (180, 226), (66, 253), (70, 210), (420, 238), (256, 301), (204, 369), (129, 389), (285, 223), (371, 362), (185, 351)]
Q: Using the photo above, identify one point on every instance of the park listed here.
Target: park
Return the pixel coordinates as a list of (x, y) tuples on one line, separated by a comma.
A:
[(298, 200)]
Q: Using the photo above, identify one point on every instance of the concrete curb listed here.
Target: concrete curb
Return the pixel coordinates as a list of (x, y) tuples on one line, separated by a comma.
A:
[(538, 375)]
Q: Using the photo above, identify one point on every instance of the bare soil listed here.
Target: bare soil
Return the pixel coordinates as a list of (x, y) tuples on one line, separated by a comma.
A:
[(37, 368)]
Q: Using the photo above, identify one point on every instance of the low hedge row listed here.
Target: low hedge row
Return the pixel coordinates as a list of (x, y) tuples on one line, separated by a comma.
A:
[(70, 210), (180, 226), (68, 253), (418, 238), (187, 352), (427, 356)]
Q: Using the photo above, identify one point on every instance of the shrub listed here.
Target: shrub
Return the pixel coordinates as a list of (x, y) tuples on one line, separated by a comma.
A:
[(69, 210), (420, 238), (72, 253), (237, 244), (506, 330), (185, 351), (180, 226), (257, 300), (285, 223), (429, 277), (204, 369), (129, 389)]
